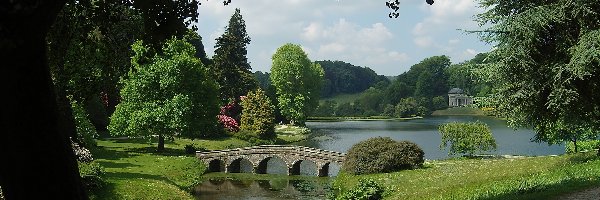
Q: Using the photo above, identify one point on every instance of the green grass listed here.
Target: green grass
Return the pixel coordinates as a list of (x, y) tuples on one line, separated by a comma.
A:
[(289, 134), (134, 170), (520, 178), (342, 98), (459, 111)]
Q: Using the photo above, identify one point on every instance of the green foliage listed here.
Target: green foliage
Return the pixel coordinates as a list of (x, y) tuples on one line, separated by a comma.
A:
[(439, 103), (344, 78), (297, 81), (367, 189), (409, 107), (381, 155), (466, 138), (257, 115), (92, 175), (230, 62), (325, 109), (371, 100), (173, 95), (546, 65), (589, 145), (86, 133)]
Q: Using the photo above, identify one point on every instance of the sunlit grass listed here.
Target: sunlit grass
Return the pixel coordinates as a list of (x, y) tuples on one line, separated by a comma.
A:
[(134, 170), (524, 178)]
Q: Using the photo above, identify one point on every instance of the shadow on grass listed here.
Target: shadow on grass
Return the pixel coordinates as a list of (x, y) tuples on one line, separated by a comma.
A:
[(134, 176), (154, 151), (109, 153), (106, 191), (108, 164)]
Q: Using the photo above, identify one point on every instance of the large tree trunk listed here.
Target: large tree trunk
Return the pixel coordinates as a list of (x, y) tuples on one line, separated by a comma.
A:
[(161, 143), (37, 159)]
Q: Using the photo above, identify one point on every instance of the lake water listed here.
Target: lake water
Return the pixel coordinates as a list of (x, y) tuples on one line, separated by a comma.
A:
[(340, 136)]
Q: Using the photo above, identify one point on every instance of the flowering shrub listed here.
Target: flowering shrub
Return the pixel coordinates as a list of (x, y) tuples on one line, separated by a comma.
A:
[(229, 123), (82, 154), (229, 116)]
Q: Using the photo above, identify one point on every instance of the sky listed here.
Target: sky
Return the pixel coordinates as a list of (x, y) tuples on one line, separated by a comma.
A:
[(354, 31)]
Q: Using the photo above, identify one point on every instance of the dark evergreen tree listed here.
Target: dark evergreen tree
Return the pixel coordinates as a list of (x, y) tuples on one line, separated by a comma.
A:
[(230, 63)]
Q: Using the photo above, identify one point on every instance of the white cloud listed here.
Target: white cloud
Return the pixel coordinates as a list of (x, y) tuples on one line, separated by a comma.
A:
[(471, 52), (443, 19), (350, 42), (423, 42), (354, 31)]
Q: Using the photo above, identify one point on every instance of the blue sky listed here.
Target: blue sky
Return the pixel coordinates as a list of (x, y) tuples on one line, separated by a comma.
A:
[(354, 31)]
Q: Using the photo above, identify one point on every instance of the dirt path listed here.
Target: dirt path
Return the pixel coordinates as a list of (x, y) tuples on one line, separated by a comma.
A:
[(591, 193)]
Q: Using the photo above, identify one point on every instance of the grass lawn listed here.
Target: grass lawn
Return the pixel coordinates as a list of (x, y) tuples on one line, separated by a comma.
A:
[(518, 178), (134, 170), (342, 98)]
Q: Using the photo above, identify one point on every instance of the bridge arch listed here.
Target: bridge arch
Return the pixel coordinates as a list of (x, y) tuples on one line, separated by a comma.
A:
[(240, 165), (216, 165), (299, 165), (262, 166)]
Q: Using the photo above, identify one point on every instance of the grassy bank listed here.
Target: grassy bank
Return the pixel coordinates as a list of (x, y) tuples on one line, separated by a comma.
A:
[(518, 178), (459, 111), (134, 170)]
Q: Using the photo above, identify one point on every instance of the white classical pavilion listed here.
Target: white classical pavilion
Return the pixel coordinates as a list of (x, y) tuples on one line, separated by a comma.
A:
[(457, 97)]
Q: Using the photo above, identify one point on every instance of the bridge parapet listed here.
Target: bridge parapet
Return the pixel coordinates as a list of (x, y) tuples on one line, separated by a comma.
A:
[(229, 160)]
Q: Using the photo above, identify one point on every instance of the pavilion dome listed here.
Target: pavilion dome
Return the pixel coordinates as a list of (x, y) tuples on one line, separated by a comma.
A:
[(455, 91)]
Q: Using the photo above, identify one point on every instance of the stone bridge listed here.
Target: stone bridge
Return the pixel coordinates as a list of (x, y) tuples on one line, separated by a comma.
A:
[(231, 160)]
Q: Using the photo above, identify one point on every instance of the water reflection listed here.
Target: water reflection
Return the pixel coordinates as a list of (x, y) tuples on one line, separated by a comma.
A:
[(274, 188)]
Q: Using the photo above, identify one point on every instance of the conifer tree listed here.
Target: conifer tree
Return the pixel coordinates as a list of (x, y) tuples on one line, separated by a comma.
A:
[(230, 63)]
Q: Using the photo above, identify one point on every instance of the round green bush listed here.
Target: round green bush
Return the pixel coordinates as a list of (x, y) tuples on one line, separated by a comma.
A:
[(381, 155)]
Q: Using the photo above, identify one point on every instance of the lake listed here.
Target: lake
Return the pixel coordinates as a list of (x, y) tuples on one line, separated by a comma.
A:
[(340, 136)]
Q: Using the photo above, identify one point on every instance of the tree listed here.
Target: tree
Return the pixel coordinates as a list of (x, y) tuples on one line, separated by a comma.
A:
[(297, 81), (173, 95), (326, 109), (230, 62), (257, 115), (407, 107), (466, 138), (24, 51), (345, 78), (547, 71), (30, 117), (88, 52), (371, 100)]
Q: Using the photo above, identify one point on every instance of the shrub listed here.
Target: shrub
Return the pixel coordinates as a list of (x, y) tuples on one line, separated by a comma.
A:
[(191, 149), (466, 138), (257, 115), (252, 138), (82, 154), (367, 189), (582, 146), (228, 123), (92, 175), (86, 132), (382, 154)]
